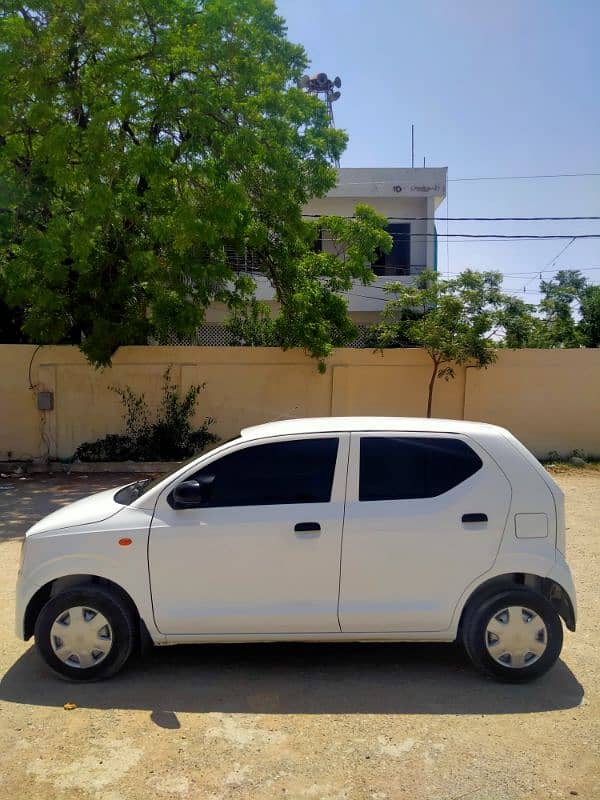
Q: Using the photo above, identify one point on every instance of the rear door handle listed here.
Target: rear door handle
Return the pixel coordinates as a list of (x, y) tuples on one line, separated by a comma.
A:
[(306, 527), (474, 518)]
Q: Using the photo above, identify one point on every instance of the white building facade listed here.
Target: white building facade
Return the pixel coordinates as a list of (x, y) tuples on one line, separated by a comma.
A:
[(408, 198)]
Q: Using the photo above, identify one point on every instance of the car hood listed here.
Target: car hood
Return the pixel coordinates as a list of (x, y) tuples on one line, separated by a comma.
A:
[(95, 508)]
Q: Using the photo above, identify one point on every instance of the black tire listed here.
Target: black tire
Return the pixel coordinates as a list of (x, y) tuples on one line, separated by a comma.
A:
[(117, 613), (475, 623)]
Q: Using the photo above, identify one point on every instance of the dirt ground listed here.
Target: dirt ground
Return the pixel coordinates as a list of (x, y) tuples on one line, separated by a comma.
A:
[(318, 722)]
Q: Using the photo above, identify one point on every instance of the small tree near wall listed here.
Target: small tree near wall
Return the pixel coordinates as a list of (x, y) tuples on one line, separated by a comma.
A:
[(455, 320)]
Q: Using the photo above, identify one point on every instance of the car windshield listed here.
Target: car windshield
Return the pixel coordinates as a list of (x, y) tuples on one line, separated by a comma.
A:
[(134, 490)]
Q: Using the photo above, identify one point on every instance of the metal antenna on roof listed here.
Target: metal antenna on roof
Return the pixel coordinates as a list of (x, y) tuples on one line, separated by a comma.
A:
[(320, 84)]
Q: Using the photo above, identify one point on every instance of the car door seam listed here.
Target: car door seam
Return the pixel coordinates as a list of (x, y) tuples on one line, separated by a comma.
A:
[(148, 564), (342, 533)]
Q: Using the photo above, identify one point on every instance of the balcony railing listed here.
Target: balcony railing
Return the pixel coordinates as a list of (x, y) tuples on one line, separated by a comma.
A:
[(243, 262), (250, 262), (387, 269)]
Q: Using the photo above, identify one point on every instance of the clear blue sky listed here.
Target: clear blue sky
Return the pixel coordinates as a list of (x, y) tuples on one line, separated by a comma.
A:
[(493, 88)]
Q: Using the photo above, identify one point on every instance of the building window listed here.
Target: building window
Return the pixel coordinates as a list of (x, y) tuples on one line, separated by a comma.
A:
[(318, 244), (397, 261)]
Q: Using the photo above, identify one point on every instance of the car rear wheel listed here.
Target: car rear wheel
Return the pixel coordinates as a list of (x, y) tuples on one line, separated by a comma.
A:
[(86, 633), (514, 636)]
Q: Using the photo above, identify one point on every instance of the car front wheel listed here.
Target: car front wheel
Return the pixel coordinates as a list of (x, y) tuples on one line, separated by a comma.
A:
[(515, 636), (85, 633)]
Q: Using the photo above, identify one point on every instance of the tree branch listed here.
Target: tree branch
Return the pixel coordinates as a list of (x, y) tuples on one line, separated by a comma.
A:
[(126, 128)]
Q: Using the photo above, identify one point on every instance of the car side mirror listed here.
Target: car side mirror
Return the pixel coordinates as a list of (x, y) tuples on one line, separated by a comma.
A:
[(191, 493)]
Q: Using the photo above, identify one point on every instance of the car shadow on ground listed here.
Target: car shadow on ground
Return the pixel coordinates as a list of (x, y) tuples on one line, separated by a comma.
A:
[(295, 679)]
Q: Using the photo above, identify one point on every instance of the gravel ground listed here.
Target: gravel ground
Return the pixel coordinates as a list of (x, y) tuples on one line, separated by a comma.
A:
[(384, 722)]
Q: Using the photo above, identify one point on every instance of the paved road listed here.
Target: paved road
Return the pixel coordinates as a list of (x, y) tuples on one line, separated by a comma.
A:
[(385, 722), (25, 499)]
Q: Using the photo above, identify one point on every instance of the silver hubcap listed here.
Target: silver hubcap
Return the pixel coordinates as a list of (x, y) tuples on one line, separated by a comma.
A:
[(81, 637), (516, 637)]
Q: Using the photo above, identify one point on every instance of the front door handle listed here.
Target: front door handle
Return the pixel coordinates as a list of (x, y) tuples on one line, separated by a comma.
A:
[(474, 518), (306, 527)]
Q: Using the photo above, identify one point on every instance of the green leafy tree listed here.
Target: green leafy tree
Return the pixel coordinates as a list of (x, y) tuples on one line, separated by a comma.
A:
[(558, 320), (314, 315), (11, 319), (143, 141), (589, 327), (521, 326), (456, 320), (559, 305), (252, 325)]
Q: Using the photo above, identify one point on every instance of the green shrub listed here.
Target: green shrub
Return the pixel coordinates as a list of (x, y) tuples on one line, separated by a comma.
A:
[(553, 455), (170, 437), (577, 453)]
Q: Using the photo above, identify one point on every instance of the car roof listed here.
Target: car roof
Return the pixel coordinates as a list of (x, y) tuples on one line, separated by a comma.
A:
[(289, 427)]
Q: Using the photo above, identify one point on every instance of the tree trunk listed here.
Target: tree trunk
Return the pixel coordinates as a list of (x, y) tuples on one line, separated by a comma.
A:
[(431, 385)]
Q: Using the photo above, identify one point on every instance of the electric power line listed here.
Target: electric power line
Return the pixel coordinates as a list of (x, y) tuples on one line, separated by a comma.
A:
[(495, 241), (526, 274), (530, 177), (497, 219), (447, 232), (487, 178), (470, 219), (549, 264), (389, 295), (491, 236), (556, 257)]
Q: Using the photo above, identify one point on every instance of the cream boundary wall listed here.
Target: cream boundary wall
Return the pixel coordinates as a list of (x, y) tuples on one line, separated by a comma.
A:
[(550, 399)]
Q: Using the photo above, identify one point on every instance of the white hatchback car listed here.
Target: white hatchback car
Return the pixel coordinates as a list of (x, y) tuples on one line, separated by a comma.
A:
[(327, 529)]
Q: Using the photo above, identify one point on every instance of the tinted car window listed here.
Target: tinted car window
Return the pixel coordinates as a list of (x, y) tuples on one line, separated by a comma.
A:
[(271, 474), (404, 468)]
